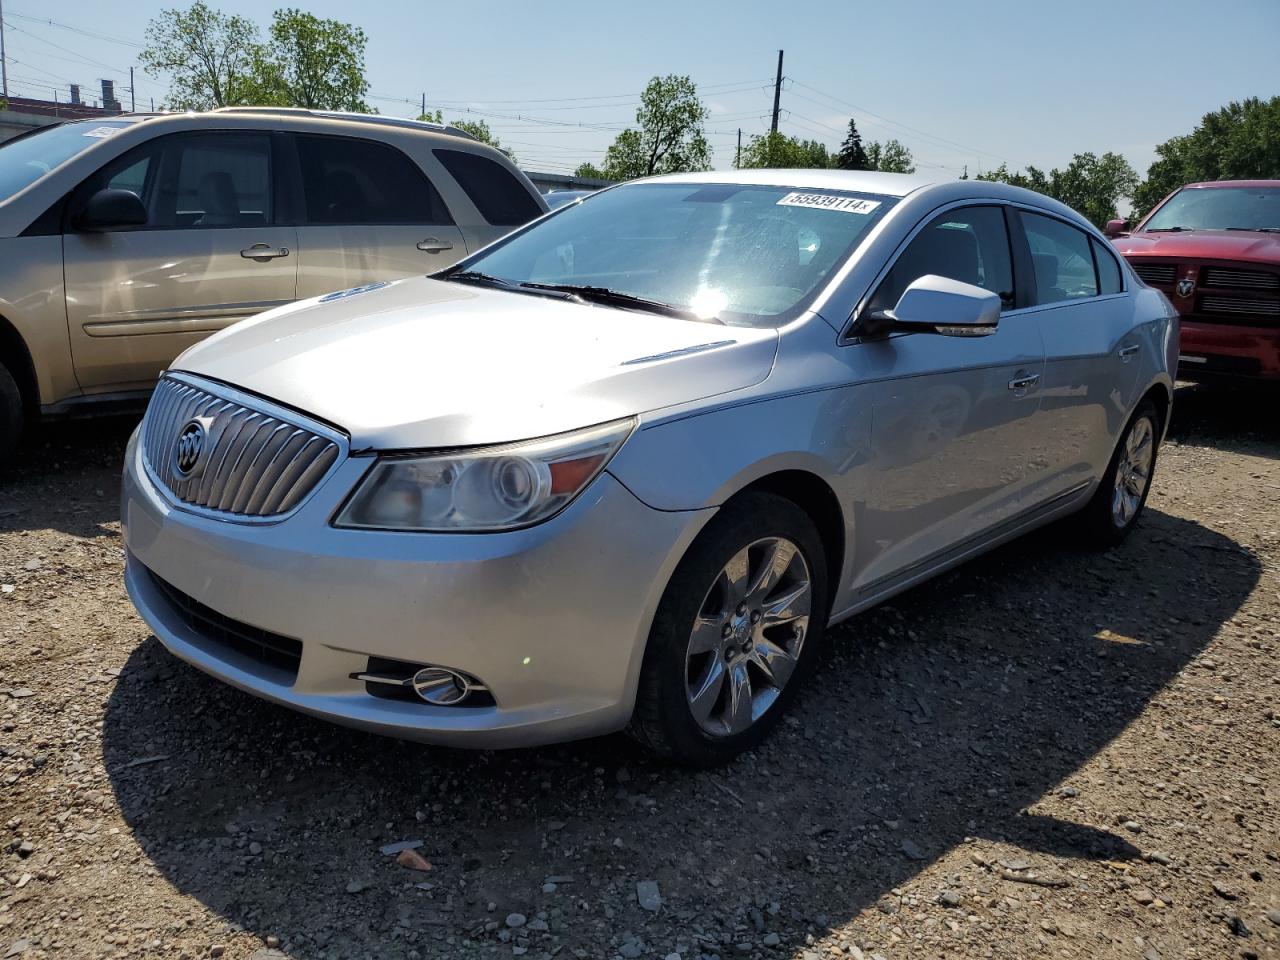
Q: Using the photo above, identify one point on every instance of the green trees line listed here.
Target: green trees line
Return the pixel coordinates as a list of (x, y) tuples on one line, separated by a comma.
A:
[(213, 59)]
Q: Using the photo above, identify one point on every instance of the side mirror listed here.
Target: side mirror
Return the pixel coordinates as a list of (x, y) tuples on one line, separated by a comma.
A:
[(1116, 228), (108, 209), (933, 304)]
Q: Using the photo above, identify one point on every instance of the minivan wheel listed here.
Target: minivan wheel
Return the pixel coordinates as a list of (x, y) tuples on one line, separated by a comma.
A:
[(1122, 494), (11, 414), (736, 632)]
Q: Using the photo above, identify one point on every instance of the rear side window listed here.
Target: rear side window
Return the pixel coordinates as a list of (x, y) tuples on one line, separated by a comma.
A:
[(499, 196), (346, 181), (1108, 269), (1061, 258), (970, 244)]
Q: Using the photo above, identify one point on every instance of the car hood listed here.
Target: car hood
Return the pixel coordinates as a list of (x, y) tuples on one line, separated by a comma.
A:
[(1242, 245), (423, 363)]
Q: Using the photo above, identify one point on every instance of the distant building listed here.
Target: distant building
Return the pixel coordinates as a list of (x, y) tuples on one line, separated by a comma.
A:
[(23, 113)]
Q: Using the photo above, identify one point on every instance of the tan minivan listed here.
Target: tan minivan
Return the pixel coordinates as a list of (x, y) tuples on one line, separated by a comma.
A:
[(125, 240)]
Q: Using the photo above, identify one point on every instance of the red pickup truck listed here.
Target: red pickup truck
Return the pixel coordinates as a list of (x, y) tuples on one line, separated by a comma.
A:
[(1214, 249)]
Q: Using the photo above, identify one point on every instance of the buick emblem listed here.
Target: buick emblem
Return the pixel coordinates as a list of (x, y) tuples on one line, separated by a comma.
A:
[(191, 442), (1186, 287)]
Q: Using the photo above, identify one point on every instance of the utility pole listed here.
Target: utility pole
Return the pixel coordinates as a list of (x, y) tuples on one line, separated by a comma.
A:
[(4, 69), (777, 95), (133, 97), (424, 105), (737, 157)]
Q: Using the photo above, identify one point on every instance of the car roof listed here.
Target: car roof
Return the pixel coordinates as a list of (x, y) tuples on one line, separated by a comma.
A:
[(861, 181), (1210, 184)]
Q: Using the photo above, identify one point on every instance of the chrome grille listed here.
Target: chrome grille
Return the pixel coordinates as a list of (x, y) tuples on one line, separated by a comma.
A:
[(255, 463), (1160, 273), (1254, 308), (1241, 279)]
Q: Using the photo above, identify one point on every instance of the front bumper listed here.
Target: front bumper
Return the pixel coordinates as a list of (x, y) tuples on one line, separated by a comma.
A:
[(553, 619), (1223, 350)]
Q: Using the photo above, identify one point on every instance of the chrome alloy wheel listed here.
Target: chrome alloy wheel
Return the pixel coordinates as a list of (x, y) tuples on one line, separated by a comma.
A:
[(1133, 471), (746, 639)]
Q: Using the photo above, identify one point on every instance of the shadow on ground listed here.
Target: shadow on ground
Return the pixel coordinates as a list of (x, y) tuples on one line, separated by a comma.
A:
[(66, 476), (1236, 417), (938, 717)]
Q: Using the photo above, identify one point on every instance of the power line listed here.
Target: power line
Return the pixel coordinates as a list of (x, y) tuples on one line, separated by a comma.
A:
[(74, 29)]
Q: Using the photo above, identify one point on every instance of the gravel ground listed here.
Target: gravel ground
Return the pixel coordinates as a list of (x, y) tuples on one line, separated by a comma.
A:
[(1048, 752)]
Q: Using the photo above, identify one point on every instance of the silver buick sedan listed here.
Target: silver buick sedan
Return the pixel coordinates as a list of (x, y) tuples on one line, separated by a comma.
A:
[(623, 468)]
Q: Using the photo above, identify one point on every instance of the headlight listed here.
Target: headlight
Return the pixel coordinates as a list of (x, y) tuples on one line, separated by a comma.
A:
[(493, 488)]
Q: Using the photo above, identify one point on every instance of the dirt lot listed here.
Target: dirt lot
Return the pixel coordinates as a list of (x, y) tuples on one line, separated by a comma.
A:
[(1046, 753)]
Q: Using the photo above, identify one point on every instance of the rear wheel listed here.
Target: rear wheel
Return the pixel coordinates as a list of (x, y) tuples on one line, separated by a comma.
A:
[(11, 413), (1122, 494), (735, 634)]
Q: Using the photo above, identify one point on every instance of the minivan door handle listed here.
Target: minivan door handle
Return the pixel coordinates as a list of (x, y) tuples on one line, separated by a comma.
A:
[(1128, 353), (432, 245), (262, 252), (1024, 380)]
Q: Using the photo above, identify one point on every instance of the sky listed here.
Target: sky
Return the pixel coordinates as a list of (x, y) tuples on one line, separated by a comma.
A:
[(965, 85)]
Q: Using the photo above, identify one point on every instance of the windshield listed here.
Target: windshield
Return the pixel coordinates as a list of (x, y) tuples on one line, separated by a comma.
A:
[(1219, 208), (743, 254), (24, 160)]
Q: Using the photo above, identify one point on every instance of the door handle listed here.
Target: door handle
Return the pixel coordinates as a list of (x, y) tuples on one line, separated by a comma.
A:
[(262, 252), (1128, 353), (432, 245), (1022, 381)]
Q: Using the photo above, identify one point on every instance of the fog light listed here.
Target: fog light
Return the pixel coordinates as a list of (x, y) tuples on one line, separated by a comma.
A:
[(441, 687)]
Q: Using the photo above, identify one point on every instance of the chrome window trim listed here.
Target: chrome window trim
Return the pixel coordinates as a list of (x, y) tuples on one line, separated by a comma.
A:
[(847, 338), (254, 402)]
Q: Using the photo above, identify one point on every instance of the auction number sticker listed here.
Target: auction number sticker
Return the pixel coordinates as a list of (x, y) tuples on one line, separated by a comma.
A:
[(825, 201), (100, 132)]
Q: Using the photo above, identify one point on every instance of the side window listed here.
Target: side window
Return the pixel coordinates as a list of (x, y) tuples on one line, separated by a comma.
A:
[(970, 244), (364, 182), (132, 177), (1108, 270), (213, 180), (500, 197), (1061, 258), (136, 171)]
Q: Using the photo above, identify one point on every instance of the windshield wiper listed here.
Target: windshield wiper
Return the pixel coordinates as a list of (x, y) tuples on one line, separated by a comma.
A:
[(475, 276), (1166, 229), (1255, 229), (617, 298)]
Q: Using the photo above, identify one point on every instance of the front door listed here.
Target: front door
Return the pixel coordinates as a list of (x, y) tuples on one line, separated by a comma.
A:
[(952, 418), (210, 253), (369, 213)]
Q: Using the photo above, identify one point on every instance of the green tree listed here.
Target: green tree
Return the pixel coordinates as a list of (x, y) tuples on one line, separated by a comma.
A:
[(208, 56), (852, 155), (1090, 184), (777, 150), (670, 137), (1241, 141), (312, 63), (890, 157), (589, 170)]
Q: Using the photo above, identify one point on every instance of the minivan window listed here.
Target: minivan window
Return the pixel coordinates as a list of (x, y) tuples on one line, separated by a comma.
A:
[(970, 244), (24, 160), (1108, 270), (1061, 259), (347, 181), (499, 196)]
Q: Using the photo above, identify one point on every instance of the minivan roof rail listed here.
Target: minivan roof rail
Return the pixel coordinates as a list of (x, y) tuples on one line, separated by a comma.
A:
[(350, 115)]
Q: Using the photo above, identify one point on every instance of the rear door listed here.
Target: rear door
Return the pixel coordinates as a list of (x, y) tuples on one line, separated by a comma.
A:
[(367, 213), (502, 200), (212, 252), (1091, 349)]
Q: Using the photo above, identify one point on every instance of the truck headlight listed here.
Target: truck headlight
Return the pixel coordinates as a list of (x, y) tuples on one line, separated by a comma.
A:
[(485, 488)]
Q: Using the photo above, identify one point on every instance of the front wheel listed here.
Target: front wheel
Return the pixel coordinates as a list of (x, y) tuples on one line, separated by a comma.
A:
[(735, 634), (1122, 494), (12, 415)]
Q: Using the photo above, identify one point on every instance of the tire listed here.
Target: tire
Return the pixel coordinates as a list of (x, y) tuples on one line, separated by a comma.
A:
[(12, 415), (766, 656), (1122, 493)]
